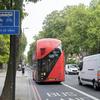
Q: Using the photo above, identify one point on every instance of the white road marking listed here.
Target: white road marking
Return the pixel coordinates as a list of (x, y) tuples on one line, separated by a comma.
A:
[(79, 99), (58, 94), (75, 99), (48, 94), (34, 93), (90, 96), (61, 99), (69, 94), (61, 94), (47, 99), (37, 92)]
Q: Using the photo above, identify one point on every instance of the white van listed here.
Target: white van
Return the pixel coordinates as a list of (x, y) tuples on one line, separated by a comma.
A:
[(90, 71)]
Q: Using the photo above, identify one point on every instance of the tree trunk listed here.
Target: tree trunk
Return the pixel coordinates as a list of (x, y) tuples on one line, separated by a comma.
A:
[(8, 92), (7, 89), (1, 65)]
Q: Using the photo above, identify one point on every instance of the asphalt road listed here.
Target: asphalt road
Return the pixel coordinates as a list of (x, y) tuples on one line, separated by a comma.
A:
[(72, 81), (67, 90)]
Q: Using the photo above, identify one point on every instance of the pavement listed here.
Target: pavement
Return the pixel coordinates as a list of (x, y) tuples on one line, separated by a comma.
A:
[(2, 78), (23, 87)]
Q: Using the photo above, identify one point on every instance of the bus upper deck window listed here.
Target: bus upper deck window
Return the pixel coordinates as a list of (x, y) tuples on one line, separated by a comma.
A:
[(42, 50)]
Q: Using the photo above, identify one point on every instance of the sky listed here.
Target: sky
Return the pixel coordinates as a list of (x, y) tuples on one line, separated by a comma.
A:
[(37, 12)]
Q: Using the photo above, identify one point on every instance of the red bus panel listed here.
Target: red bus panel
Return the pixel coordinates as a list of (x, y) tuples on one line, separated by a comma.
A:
[(46, 46), (58, 72)]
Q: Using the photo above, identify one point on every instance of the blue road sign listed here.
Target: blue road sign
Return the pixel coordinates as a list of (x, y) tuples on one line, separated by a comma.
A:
[(9, 22)]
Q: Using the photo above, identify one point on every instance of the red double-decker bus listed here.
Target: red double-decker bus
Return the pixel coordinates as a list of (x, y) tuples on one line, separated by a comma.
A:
[(48, 61)]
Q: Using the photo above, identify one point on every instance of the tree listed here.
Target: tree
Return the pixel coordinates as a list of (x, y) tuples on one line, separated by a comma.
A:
[(8, 90), (77, 27), (94, 3), (31, 53), (22, 45), (67, 25), (93, 30), (4, 49)]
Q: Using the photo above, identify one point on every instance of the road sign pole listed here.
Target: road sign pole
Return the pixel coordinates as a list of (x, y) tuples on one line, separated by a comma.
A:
[(13, 51)]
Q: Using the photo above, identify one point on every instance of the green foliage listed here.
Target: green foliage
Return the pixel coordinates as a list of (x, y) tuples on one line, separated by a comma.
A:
[(33, 0), (4, 40), (71, 61), (77, 26), (31, 53), (94, 4), (4, 48), (22, 45)]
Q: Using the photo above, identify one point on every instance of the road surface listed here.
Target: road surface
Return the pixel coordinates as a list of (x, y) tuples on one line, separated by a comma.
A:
[(67, 90)]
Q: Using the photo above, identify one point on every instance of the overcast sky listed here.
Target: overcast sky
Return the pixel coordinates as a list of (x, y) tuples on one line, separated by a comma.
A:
[(32, 24)]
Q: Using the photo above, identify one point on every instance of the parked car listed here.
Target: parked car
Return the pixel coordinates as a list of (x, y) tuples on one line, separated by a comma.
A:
[(90, 71), (71, 69)]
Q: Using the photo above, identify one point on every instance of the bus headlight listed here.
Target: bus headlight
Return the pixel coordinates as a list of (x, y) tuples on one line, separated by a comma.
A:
[(44, 73), (41, 73)]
